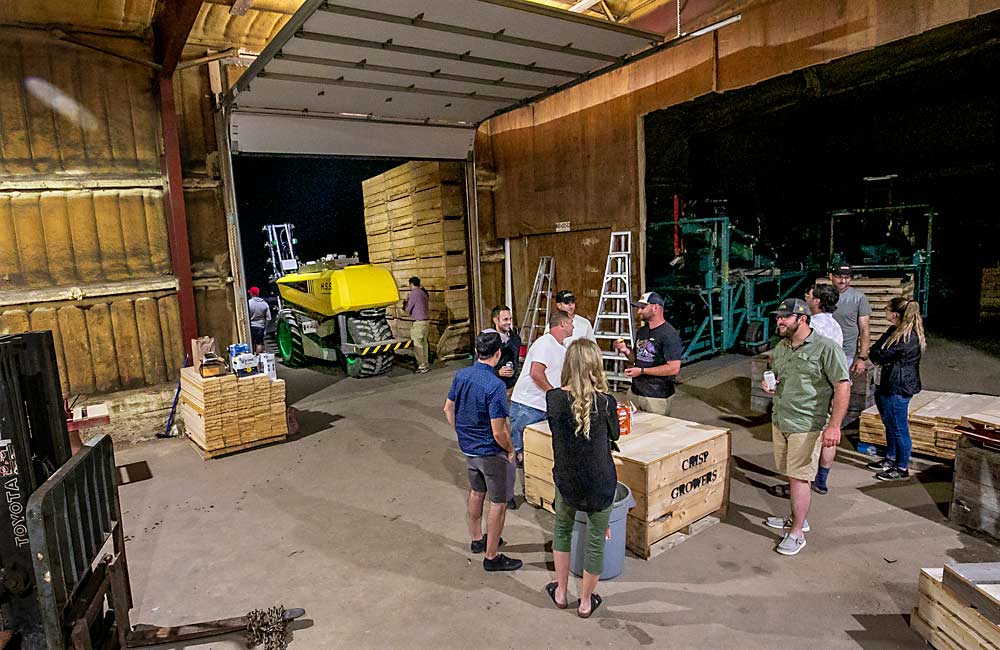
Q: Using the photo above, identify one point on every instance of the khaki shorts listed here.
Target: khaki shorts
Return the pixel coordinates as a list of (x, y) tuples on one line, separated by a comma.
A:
[(796, 455), (658, 405)]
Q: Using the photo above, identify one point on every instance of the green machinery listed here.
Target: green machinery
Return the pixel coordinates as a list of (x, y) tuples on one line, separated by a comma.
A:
[(719, 291), (886, 241)]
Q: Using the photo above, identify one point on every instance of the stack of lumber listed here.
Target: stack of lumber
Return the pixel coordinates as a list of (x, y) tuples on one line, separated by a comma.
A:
[(984, 427), (678, 472), (879, 292), (862, 389), (958, 607), (229, 413), (934, 419), (415, 223), (989, 295)]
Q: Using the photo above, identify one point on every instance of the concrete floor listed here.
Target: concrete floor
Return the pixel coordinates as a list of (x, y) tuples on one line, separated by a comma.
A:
[(360, 520)]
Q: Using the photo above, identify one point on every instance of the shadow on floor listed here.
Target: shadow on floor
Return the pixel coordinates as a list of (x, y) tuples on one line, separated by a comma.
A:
[(927, 493), (731, 396), (311, 422), (134, 473), (883, 631)]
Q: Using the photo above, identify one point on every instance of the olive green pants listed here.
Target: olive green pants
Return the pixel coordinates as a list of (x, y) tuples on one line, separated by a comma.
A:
[(597, 526)]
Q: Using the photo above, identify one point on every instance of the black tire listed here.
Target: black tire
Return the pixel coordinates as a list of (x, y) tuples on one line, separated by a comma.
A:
[(754, 332), (289, 349), (362, 331)]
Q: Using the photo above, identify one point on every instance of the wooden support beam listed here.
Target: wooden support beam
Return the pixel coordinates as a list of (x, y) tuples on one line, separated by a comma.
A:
[(171, 30), (173, 204)]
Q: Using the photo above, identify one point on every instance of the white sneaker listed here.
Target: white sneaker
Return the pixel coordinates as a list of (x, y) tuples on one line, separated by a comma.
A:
[(790, 545), (779, 523)]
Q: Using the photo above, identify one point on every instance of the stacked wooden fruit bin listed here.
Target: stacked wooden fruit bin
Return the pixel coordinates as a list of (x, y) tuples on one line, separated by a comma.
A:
[(415, 223)]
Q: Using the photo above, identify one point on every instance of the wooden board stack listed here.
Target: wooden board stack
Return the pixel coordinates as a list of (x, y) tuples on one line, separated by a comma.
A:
[(415, 223), (229, 413), (879, 292), (975, 501), (678, 472), (862, 389), (934, 419), (946, 619)]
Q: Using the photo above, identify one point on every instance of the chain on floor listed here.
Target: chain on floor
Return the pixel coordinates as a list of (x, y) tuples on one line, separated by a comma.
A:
[(266, 627)]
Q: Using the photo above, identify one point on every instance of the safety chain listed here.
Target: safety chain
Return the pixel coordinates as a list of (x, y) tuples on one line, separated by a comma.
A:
[(267, 627)]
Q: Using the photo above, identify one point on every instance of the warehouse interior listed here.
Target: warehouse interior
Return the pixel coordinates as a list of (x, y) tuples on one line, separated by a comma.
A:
[(744, 147)]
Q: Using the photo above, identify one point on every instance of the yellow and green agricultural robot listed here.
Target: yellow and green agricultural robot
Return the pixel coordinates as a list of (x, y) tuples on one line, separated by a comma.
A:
[(334, 309)]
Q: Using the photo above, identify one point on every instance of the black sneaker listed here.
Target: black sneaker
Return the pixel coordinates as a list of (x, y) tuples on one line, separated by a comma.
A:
[(501, 563), (479, 546), (893, 474), (880, 465), (512, 504)]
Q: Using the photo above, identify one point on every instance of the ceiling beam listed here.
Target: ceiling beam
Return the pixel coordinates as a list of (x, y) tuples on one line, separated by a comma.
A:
[(389, 88), (499, 36), (171, 29)]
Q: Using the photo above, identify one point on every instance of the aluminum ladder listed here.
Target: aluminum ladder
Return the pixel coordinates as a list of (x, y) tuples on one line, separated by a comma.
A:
[(614, 309), (542, 290)]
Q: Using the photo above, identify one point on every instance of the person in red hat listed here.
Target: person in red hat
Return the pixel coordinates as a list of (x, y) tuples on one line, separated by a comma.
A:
[(260, 316)]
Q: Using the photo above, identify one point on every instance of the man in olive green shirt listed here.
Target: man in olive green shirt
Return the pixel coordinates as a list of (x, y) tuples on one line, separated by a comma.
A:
[(811, 377)]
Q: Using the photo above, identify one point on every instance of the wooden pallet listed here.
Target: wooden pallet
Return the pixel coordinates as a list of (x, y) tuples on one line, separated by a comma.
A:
[(946, 621), (225, 451), (879, 292), (975, 500), (935, 419)]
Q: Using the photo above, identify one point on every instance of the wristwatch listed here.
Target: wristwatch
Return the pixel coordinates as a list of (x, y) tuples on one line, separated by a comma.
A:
[(863, 358), (642, 371)]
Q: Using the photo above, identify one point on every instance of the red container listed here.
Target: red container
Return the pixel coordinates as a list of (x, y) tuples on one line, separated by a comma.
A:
[(624, 418)]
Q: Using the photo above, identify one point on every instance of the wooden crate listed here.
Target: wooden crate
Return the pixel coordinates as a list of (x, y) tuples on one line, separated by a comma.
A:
[(678, 472), (946, 621), (976, 489), (989, 295), (862, 389), (934, 418)]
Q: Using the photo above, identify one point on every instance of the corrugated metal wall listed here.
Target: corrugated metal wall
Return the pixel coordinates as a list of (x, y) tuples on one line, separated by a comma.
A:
[(83, 238)]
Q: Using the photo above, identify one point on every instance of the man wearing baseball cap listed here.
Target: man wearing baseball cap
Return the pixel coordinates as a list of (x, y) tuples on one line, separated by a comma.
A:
[(582, 328), (260, 316), (810, 400), (656, 355)]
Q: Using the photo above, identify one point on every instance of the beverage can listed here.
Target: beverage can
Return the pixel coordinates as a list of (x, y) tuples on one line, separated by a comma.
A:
[(770, 380), (624, 418)]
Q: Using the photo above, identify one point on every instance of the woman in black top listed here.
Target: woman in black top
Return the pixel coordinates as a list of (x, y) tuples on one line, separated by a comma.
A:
[(583, 419), (898, 353)]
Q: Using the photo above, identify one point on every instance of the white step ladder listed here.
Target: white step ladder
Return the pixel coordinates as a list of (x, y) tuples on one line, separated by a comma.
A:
[(614, 309), (541, 291)]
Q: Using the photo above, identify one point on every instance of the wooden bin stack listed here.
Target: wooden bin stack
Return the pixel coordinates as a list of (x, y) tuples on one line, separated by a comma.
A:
[(879, 292), (229, 413), (934, 420), (678, 472), (862, 389), (415, 223), (975, 501), (958, 607)]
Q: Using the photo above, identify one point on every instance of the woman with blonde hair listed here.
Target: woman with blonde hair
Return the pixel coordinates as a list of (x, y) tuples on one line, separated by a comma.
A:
[(583, 418), (898, 353)]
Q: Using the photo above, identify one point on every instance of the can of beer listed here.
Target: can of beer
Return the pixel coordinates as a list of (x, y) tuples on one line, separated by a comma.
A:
[(770, 380)]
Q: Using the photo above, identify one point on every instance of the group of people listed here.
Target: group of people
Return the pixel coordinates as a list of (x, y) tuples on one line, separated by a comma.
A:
[(824, 346), (562, 380)]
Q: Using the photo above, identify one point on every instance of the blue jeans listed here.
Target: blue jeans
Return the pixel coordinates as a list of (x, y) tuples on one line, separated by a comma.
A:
[(893, 411), (520, 417)]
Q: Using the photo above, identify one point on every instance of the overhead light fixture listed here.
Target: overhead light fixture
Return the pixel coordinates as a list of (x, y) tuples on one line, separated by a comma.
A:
[(719, 25), (584, 5), (240, 7)]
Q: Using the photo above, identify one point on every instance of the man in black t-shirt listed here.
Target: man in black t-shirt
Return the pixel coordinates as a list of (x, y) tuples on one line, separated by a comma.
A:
[(509, 366), (657, 357)]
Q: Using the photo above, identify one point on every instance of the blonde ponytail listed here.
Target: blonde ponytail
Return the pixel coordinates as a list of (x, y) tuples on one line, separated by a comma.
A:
[(910, 322), (583, 373)]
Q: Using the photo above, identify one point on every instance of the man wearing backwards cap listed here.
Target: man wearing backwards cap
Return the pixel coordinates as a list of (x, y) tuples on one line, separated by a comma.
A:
[(582, 328), (260, 316), (811, 375), (657, 357)]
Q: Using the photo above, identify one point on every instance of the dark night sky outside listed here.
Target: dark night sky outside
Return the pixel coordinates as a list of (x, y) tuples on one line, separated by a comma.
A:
[(321, 196)]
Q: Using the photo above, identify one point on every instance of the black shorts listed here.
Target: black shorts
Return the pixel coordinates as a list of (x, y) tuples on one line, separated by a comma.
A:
[(257, 335), (493, 475)]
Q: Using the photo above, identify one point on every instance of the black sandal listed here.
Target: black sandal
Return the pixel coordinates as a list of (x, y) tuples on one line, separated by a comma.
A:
[(782, 491), (551, 590), (595, 602)]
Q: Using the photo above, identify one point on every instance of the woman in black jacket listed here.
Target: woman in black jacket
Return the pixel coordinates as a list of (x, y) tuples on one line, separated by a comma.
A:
[(583, 419), (898, 353)]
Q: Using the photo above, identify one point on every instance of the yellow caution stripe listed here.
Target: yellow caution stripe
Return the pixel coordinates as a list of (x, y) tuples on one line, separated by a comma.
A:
[(388, 347)]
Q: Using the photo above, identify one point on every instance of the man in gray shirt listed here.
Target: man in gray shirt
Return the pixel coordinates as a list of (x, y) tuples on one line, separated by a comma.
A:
[(260, 316)]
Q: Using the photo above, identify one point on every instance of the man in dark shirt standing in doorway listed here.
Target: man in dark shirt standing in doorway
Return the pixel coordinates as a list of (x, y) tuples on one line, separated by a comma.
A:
[(416, 307), (657, 357)]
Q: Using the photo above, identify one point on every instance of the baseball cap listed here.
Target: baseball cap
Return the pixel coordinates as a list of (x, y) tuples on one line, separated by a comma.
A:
[(841, 269), (254, 291), (791, 306), (648, 298), (565, 296)]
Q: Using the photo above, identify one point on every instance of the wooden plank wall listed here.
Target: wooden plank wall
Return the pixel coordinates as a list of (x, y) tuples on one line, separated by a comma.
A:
[(574, 156), (81, 210)]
